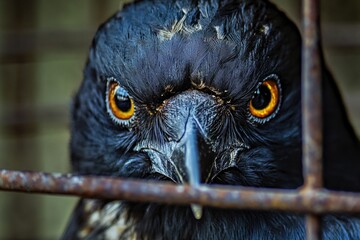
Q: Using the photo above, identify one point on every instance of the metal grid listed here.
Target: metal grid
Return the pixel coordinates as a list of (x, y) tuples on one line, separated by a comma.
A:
[(311, 198)]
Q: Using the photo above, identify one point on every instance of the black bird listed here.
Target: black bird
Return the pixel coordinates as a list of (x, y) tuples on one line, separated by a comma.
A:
[(206, 92)]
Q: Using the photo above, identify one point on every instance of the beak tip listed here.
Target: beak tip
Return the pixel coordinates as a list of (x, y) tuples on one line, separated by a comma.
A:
[(197, 211)]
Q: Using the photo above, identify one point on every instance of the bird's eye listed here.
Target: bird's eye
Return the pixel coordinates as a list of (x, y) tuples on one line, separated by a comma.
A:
[(119, 104), (266, 99)]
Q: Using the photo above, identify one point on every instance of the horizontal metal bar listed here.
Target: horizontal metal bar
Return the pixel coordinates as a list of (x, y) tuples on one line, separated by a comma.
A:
[(321, 201)]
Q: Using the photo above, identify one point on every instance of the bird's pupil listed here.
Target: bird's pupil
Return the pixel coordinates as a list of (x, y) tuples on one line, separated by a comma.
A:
[(123, 102), (262, 98)]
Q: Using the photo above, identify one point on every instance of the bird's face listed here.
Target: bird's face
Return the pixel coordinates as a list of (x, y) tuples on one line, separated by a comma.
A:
[(206, 93)]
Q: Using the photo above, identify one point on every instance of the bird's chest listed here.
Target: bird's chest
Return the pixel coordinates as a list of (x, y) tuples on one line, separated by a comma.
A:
[(119, 220), (105, 221)]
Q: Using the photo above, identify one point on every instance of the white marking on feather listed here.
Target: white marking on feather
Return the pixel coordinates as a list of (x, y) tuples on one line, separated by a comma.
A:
[(184, 10), (118, 223), (265, 29), (109, 213), (94, 218), (179, 26), (89, 206), (111, 217), (219, 32)]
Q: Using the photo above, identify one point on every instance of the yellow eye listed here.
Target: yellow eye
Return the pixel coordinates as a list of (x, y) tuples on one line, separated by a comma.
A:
[(120, 104), (265, 100)]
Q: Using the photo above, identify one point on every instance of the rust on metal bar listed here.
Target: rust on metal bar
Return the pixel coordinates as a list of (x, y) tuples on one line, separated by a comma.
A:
[(216, 196), (312, 111), (313, 228), (311, 96)]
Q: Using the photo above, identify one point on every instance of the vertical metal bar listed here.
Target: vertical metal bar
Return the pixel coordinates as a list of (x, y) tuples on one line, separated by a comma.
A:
[(312, 111), (311, 96), (313, 227)]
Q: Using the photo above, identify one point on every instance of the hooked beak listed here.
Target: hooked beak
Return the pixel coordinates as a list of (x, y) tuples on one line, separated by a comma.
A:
[(189, 156), (192, 163), (185, 163), (198, 163)]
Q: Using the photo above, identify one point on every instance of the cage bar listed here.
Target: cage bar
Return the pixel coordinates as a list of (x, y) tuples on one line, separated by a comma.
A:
[(220, 196), (311, 109)]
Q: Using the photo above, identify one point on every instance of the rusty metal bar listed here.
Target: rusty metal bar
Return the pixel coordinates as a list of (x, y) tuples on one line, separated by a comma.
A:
[(311, 96), (311, 109), (313, 227), (216, 196)]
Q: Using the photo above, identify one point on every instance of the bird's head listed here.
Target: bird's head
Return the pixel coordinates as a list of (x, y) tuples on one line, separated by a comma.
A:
[(192, 92)]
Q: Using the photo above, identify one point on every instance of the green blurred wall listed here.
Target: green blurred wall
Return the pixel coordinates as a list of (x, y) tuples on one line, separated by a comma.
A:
[(47, 75)]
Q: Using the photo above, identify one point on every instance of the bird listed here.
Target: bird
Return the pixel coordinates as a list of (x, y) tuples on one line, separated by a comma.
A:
[(202, 92)]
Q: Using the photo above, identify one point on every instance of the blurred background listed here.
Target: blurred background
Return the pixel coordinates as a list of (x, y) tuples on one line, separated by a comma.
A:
[(43, 49)]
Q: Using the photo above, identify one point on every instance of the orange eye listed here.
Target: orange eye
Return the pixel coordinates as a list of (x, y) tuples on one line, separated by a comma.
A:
[(120, 104), (265, 100)]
